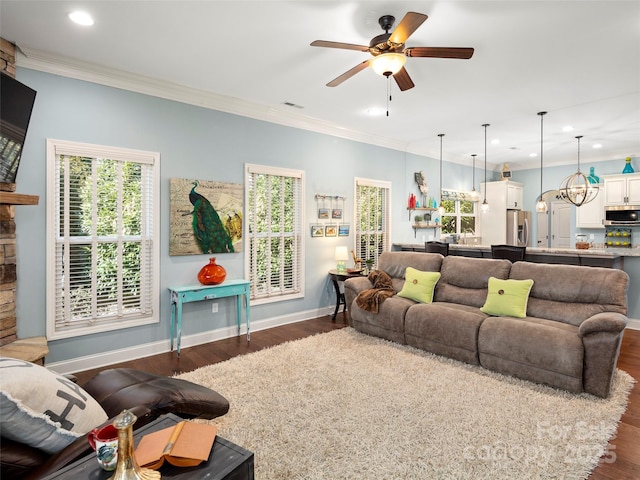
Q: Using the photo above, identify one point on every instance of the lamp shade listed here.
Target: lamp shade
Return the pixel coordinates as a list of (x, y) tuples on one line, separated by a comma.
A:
[(341, 253), (341, 256), (388, 63)]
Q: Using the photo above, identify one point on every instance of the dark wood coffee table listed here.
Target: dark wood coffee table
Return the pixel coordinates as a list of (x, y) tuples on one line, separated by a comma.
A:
[(227, 461)]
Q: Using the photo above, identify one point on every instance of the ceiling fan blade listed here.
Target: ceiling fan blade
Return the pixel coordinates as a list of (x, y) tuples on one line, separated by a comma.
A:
[(345, 46), (439, 52), (403, 80), (348, 74), (407, 26)]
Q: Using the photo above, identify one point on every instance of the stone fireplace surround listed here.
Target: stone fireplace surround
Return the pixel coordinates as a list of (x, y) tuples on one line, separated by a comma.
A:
[(31, 349)]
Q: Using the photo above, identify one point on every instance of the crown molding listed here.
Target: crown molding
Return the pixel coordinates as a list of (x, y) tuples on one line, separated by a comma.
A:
[(68, 67)]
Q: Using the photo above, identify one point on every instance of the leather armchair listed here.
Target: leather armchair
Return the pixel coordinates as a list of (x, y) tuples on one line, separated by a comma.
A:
[(145, 394)]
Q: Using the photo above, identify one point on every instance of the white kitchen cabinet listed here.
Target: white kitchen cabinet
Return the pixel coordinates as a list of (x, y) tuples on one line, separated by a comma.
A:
[(501, 196), (591, 215), (622, 189), (514, 195)]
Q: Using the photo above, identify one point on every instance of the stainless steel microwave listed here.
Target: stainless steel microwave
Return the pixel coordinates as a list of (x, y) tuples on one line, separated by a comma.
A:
[(623, 215)]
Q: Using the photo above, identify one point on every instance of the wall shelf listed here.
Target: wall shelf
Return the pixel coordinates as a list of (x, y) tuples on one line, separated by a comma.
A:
[(10, 198), (424, 227), (420, 209)]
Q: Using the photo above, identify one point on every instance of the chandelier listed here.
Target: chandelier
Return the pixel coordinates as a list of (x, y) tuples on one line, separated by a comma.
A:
[(576, 188)]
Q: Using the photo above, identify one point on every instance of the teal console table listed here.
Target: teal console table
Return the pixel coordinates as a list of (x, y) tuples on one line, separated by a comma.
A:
[(196, 293)]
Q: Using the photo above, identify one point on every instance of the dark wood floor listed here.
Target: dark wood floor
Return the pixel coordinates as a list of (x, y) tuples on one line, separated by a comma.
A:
[(624, 449)]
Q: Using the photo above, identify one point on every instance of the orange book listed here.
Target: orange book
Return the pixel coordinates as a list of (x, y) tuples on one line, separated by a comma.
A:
[(186, 445)]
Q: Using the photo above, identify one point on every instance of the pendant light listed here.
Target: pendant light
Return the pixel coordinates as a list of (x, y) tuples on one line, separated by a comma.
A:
[(440, 207), (474, 194), (484, 208), (541, 206), (576, 188)]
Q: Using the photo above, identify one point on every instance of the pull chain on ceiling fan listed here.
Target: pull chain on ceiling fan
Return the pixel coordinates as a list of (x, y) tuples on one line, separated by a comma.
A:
[(389, 52)]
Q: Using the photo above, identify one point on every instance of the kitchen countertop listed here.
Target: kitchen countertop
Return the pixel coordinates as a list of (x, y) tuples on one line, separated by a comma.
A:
[(608, 252)]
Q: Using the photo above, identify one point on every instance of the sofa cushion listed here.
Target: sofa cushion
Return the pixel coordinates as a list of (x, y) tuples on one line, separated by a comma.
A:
[(507, 297), (571, 294), (465, 280), (419, 285), (388, 323), (120, 388), (533, 348), (396, 263), (447, 329), (43, 409)]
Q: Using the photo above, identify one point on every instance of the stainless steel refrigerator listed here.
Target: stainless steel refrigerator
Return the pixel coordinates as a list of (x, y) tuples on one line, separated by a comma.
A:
[(518, 228)]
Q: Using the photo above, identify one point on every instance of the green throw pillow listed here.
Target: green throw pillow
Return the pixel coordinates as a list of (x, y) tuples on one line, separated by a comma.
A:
[(419, 286), (507, 298)]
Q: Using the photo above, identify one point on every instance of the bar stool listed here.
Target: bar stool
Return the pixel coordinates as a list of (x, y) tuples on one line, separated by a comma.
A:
[(436, 247)]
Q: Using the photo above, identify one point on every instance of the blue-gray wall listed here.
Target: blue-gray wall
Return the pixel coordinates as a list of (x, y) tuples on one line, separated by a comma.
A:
[(200, 143)]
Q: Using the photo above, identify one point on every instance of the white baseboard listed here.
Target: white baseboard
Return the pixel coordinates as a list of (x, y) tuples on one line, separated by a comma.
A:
[(140, 351), (633, 324)]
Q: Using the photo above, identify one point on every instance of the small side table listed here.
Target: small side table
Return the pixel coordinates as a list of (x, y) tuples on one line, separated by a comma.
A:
[(195, 293), (340, 277)]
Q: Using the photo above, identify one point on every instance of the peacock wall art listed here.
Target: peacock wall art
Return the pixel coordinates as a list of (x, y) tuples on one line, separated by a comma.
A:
[(206, 217)]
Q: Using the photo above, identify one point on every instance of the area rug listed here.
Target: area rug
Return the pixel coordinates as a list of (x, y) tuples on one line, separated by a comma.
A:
[(344, 405)]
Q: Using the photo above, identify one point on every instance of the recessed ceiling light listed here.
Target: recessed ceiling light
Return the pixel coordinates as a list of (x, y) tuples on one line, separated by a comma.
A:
[(567, 128), (375, 111), (81, 18), (597, 145), (533, 154), (495, 141)]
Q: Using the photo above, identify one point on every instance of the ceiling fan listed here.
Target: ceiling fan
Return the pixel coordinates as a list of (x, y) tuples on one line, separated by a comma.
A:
[(389, 52)]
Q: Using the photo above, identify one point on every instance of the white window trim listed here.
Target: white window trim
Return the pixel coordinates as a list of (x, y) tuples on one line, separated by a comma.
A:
[(458, 215), (63, 147), (357, 181), (284, 172)]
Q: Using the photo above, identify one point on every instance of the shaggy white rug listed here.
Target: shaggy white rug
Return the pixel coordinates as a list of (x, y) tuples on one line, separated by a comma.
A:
[(343, 405)]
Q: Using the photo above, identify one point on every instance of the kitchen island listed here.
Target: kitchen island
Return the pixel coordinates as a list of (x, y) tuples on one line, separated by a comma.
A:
[(593, 257)]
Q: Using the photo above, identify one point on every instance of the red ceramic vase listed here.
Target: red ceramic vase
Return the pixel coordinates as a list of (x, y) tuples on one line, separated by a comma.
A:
[(212, 273)]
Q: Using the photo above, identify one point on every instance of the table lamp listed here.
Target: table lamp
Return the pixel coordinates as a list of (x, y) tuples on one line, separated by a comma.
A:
[(341, 257)]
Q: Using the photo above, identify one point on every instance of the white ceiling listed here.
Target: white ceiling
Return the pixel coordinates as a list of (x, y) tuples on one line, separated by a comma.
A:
[(578, 60)]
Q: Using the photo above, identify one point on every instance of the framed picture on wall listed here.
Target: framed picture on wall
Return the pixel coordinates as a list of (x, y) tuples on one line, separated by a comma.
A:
[(331, 230), (343, 230), (336, 213), (317, 230), (324, 213)]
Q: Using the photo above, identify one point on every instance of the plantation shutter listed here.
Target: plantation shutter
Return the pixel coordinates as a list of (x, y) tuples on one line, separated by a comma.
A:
[(372, 218), (103, 239), (274, 232)]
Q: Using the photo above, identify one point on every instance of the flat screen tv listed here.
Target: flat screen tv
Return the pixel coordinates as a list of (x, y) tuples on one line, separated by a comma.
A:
[(16, 104)]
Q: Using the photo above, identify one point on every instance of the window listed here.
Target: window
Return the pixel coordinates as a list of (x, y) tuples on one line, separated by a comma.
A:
[(459, 213), (372, 222), (102, 238), (275, 255)]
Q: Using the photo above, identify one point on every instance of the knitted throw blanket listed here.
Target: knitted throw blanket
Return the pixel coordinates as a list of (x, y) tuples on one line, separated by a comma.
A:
[(371, 299)]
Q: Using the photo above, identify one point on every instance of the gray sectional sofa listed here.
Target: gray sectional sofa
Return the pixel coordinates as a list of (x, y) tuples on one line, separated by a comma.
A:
[(569, 339)]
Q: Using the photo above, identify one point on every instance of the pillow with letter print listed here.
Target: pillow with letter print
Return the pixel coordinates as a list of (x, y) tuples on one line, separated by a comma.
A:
[(43, 409)]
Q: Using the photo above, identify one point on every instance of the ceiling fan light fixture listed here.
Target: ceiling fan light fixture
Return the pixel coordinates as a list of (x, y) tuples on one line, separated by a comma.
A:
[(388, 63)]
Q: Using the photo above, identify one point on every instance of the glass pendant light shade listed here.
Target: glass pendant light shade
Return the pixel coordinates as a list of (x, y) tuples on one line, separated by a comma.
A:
[(388, 63), (440, 207), (541, 206), (576, 188), (484, 208), (474, 196)]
